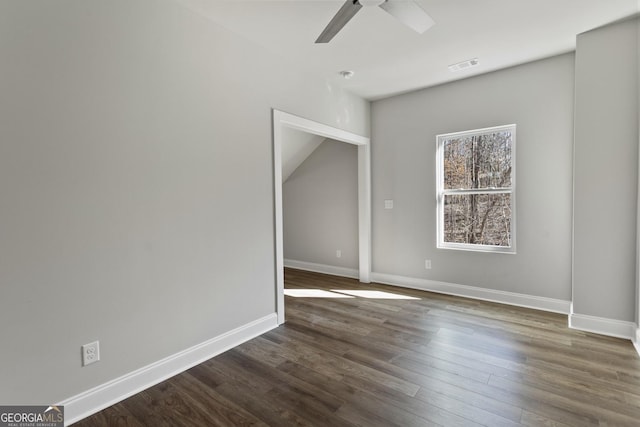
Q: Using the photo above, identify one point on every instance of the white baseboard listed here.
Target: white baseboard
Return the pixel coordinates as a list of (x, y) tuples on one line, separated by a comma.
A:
[(511, 298), (322, 268), (603, 326), (636, 340), (105, 395)]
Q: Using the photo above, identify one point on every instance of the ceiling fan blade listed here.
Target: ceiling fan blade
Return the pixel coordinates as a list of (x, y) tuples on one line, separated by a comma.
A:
[(344, 15), (409, 13)]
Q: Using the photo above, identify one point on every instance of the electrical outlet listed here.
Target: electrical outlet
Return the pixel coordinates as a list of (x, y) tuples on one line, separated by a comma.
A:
[(90, 353), (338, 253), (427, 264)]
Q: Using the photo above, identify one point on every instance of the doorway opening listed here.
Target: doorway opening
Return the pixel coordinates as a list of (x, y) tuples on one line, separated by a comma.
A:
[(282, 121)]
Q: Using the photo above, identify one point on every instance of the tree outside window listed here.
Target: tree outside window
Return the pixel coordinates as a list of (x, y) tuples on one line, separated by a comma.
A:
[(476, 189)]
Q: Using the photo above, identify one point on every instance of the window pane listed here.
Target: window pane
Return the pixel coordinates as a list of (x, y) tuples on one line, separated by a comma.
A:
[(478, 161), (482, 219)]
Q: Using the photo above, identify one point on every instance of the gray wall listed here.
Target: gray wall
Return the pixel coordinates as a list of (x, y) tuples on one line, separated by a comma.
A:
[(136, 185), (605, 173), (320, 207), (538, 97)]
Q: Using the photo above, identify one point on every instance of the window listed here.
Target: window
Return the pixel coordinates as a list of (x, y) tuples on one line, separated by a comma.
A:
[(476, 189)]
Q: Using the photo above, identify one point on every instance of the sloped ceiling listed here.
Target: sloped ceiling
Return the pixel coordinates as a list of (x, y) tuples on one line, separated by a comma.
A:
[(296, 147)]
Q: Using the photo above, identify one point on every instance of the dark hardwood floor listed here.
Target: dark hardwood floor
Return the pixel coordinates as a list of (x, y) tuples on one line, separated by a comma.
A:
[(434, 360)]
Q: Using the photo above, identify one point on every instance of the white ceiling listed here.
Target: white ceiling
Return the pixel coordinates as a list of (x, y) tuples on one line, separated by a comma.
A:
[(388, 58)]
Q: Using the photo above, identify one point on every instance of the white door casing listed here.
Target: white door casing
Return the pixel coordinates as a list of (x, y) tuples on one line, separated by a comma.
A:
[(282, 120)]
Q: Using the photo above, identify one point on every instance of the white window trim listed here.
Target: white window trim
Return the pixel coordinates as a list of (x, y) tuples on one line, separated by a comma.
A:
[(440, 193)]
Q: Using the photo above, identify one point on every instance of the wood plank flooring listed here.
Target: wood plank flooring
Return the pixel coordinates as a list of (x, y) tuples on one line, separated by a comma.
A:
[(369, 360)]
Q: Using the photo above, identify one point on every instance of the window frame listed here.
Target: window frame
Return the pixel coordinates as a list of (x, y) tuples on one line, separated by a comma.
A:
[(441, 192)]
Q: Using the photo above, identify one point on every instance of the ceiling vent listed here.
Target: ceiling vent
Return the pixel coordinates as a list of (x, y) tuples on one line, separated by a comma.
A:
[(464, 65)]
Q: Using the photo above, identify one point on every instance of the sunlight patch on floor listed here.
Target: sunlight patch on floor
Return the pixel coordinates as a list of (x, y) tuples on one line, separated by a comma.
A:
[(373, 294), (344, 293), (313, 293)]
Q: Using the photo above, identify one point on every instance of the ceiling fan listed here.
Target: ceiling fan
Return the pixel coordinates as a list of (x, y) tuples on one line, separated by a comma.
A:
[(406, 11)]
